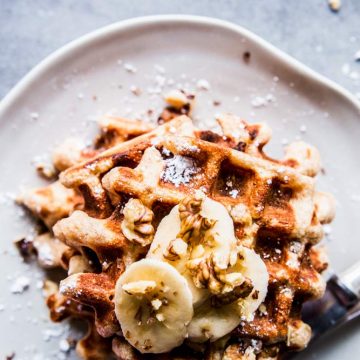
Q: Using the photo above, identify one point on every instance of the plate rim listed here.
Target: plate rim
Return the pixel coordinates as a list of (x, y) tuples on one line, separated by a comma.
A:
[(65, 51)]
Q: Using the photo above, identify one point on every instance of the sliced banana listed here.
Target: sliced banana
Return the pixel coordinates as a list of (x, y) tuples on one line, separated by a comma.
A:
[(212, 323), (228, 282), (218, 244), (254, 269), (153, 305), (167, 230)]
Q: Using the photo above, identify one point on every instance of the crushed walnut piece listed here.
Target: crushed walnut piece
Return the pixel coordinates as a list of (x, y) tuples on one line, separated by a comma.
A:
[(137, 222), (240, 291), (209, 261), (334, 5), (193, 224), (179, 103)]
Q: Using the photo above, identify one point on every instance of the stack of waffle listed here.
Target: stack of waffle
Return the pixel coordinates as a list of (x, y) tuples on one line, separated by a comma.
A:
[(273, 204)]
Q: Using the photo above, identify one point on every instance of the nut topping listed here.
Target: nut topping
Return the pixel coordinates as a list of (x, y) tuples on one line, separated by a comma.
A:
[(136, 225)]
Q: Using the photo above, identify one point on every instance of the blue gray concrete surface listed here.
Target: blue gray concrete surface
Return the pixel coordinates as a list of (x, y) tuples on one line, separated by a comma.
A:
[(307, 30)]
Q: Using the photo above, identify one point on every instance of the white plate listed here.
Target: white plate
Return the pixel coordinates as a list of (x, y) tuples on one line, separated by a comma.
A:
[(62, 88)]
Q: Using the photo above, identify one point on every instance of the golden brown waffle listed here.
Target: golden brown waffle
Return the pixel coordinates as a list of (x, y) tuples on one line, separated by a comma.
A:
[(276, 202), (87, 177), (51, 203), (275, 209), (54, 202), (114, 130), (92, 346)]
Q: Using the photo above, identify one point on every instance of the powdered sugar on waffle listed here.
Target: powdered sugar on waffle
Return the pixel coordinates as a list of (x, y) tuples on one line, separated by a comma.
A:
[(178, 170), (70, 284)]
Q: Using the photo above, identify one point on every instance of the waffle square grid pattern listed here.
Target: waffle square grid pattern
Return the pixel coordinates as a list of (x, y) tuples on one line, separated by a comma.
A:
[(87, 229)]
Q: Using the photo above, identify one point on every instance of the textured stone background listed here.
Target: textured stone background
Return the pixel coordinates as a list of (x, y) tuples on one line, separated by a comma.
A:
[(308, 30)]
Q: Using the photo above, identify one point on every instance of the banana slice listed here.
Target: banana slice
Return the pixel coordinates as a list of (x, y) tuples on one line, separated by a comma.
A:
[(212, 323), (254, 268), (228, 282), (153, 305), (167, 231), (216, 243)]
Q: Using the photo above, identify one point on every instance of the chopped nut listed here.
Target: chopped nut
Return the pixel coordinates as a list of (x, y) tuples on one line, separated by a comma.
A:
[(193, 225), (241, 291), (206, 274), (135, 90), (246, 56), (198, 251), (47, 171), (177, 98), (200, 270), (156, 304), (175, 250), (139, 287), (160, 317), (136, 225), (11, 356), (334, 5), (180, 103), (209, 266)]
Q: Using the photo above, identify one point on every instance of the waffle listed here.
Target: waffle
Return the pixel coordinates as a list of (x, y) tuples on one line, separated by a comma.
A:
[(273, 203), (50, 203), (114, 130), (92, 345)]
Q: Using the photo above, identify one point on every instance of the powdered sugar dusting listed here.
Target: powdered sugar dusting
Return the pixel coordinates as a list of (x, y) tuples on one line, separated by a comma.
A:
[(185, 146), (45, 253), (261, 101), (21, 284), (69, 283), (64, 345), (48, 334), (203, 84), (178, 170)]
